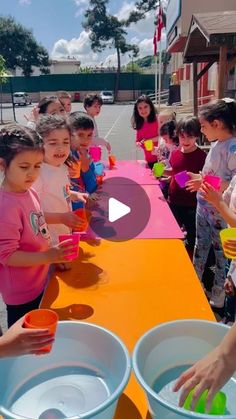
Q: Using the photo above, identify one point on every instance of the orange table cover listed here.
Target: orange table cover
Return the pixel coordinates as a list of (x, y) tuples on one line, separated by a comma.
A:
[(129, 287)]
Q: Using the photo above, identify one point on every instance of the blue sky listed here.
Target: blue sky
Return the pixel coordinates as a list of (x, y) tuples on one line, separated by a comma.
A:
[(56, 24)]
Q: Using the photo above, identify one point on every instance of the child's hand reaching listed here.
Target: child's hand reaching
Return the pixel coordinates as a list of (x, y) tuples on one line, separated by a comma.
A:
[(70, 219), (79, 196), (33, 116), (84, 158), (19, 341), (194, 183), (229, 286), (74, 169), (210, 194), (61, 252), (211, 373)]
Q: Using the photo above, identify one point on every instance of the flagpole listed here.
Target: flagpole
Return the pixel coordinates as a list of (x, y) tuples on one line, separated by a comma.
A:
[(156, 79), (159, 78)]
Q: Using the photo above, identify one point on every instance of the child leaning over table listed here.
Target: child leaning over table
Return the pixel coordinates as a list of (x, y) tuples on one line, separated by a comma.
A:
[(191, 158), (82, 127)]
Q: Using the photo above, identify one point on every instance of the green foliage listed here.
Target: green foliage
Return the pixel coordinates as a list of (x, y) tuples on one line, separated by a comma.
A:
[(3, 70), (19, 47), (132, 67)]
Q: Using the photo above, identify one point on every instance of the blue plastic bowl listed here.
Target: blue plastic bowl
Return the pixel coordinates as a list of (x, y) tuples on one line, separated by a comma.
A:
[(83, 376), (172, 345)]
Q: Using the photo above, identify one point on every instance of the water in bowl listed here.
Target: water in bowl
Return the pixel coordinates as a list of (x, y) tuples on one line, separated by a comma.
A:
[(164, 384), (65, 391)]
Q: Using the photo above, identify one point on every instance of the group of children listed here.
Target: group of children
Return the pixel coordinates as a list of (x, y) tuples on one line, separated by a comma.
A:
[(198, 208), (46, 172)]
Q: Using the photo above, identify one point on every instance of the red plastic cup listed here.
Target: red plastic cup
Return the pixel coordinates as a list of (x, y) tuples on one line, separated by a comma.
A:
[(42, 319), (214, 181), (112, 161), (182, 178), (95, 153), (83, 214), (100, 180), (74, 239)]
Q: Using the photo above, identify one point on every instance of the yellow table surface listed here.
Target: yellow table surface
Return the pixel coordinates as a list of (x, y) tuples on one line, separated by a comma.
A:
[(129, 287)]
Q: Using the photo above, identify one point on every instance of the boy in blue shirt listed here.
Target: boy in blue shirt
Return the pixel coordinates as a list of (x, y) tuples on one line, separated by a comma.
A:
[(82, 127)]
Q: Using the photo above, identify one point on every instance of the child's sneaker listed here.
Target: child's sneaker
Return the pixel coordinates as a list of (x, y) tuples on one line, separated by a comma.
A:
[(217, 297)]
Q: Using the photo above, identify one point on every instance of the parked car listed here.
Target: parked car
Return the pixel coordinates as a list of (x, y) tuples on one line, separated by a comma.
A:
[(21, 99), (107, 96)]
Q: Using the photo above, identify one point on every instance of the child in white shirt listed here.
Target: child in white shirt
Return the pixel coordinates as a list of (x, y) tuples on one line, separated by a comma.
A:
[(53, 183)]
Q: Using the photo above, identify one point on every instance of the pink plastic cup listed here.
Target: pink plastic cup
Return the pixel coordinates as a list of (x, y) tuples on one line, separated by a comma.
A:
[(182, 178), (95, 153), (214, 181), (74, 239)]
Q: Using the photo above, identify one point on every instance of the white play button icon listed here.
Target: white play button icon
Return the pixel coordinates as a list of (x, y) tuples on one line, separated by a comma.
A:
[(117, 210)]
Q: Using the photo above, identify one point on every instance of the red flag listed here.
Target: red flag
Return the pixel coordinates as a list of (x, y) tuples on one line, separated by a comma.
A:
[(160, 25)]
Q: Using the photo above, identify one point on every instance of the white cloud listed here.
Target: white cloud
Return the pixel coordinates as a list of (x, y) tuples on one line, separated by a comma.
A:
[(78, 48), (111, 60), (125, 10), (80, 2), (24, 2)]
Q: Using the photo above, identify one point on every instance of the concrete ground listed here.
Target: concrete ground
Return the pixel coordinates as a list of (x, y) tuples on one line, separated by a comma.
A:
[(113, 124)]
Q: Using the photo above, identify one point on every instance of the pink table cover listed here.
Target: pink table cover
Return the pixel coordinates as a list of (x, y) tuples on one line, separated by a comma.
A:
[(131, 169), (161, 224)]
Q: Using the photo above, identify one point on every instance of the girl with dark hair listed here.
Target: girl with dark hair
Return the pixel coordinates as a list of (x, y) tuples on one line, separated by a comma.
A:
[(144, 121), (218, 124), (25, 252)]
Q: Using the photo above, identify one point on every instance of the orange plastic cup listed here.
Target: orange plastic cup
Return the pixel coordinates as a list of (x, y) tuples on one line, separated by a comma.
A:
[(75, 167), (42, 319), (84, 216), (112, 161)]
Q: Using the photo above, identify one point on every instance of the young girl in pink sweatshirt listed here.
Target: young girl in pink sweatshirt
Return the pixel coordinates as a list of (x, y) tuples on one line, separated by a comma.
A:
[(25, 247)]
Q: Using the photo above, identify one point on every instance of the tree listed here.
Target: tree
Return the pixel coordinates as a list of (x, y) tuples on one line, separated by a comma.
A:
[(20, 49), (132, 67), (107, 31), (3, 79)]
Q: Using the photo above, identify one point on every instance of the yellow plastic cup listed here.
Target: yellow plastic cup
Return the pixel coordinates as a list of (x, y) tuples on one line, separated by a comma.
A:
[(228, 234), (148, 144), (42, 319)]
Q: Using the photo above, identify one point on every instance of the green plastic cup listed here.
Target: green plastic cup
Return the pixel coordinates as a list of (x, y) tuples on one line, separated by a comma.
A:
[(218, 405), (228, 234), (148, 144), (158, 169)]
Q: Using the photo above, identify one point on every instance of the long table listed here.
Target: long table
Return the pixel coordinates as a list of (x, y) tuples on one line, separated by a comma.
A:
[(129, 287), (131, 169)]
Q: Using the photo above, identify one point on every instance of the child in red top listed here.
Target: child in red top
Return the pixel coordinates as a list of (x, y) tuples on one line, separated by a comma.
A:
[(144, 121), (191, 158)]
